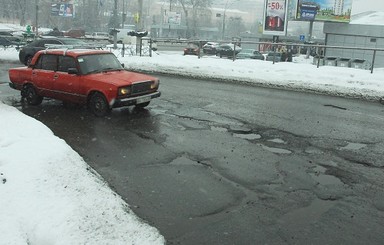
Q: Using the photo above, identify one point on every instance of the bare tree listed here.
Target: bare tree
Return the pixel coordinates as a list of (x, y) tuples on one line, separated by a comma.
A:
[(195, 7)]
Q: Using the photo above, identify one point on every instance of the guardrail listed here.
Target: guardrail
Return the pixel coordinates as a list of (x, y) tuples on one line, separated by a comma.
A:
[(320, 49)]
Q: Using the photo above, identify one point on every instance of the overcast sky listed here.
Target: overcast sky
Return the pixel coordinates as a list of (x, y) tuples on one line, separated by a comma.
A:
[(359, 6)]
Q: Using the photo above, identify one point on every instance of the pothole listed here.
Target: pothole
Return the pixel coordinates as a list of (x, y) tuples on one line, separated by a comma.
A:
[(248, 136), (353, 146), (277, 141), (324, 179), (219, 129), (276, 150)]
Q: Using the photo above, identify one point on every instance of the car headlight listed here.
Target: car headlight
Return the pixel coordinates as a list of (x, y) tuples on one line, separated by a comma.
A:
[(124, 91), (155, 84)]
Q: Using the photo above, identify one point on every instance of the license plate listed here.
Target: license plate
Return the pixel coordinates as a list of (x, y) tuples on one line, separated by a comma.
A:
[(143, 100)]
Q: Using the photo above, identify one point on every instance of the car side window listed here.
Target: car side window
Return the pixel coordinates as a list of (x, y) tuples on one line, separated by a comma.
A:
[(66, 62), (47, 62)]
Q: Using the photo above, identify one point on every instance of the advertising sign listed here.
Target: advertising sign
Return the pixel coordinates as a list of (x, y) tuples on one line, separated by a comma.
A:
[(62, 9), (172, 18), (275, 17), (324, 10)]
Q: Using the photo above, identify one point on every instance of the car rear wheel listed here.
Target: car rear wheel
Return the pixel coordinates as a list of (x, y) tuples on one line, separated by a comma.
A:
[(29, 93), (98, 105), (142, 105)]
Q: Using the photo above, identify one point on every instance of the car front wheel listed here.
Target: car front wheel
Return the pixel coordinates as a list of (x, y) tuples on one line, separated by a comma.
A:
[(29, 93), (98, 105)]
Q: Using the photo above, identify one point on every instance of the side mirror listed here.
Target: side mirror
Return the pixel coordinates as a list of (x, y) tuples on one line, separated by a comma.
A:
[(122, 64), (72, 71)]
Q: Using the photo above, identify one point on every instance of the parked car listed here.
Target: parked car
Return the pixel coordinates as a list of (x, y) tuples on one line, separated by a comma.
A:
[(83, 76), (75, 33), (8, 39), (227, 50), (210, 48), (101, 35), (192, 48), (273, 56), (250, 54), (28, 51)]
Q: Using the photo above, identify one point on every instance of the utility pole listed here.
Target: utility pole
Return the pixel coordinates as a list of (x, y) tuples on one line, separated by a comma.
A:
[(123, 15), (37, 14), (139, 27), (225, 11)]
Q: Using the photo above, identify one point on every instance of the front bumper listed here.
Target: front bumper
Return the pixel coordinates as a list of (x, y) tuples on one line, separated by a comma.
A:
[(136, 100)]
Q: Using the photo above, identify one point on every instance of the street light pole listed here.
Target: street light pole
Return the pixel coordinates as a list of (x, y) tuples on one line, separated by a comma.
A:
[(37, 14), (225, 11)]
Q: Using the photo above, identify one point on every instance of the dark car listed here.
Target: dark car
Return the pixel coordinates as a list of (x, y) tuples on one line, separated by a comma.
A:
[(227, 50), (7, 39), (28, 51), (210, 48), (192, 48), (273, 56), (249, 54)]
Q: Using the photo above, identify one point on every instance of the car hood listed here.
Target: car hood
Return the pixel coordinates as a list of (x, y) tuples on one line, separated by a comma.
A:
[(120, 78)]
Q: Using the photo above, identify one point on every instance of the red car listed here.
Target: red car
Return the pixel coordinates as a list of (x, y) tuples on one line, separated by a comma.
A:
[(192, 48), (83, 76)]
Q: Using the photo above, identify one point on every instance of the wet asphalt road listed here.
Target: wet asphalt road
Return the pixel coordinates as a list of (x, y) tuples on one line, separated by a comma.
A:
[(217, 163)]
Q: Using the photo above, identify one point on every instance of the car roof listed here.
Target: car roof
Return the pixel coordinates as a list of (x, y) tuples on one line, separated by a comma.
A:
[(74, 52)]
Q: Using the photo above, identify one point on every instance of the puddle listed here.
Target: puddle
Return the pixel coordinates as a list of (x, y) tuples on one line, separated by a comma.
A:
[(353, 146), (276, 150), (239, 129), (313, 150), (248, 136), (219, 129), (278, 141), (158, 111), (324, 179)]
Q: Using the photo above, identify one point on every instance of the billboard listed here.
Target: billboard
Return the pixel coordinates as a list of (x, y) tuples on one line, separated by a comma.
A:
[(275, 17), (62, 9), (324, 10), (172, 18)]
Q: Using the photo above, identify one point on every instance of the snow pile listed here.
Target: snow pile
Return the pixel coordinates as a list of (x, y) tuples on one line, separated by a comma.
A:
[(300, 74), (49, 195)]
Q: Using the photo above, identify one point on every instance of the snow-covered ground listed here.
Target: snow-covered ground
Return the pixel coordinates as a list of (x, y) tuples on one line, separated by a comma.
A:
[(49, 195)]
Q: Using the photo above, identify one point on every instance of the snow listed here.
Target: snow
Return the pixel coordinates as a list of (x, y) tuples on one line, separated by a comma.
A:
[(49, 195), (54, 197)]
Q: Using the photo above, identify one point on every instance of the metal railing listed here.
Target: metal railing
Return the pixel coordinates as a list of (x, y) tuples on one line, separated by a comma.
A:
[(320, 49)]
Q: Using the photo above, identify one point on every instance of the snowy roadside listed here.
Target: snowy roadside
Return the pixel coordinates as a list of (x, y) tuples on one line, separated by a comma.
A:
[(299, 75), (49, 195)]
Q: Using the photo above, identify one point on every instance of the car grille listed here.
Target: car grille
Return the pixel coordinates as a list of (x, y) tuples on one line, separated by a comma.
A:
[(141, 87)]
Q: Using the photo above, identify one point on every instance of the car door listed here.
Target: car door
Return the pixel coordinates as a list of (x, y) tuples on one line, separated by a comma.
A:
[(42, 74), (66, 85)]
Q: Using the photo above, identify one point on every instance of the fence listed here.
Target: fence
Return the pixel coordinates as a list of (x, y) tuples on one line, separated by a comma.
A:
[(316, 50)]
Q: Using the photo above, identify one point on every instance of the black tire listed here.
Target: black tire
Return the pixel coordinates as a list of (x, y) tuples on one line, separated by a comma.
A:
[(28, 60), (142, 105), (30, 95), (98, 105)]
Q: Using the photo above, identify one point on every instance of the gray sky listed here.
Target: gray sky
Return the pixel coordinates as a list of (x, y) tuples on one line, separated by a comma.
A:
[(359, 6)]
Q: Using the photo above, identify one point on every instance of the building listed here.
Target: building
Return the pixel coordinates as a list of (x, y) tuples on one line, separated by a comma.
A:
[(338, 7), (366, 30)]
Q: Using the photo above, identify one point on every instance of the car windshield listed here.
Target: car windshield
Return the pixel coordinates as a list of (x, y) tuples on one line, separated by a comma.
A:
[(99, 63)]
